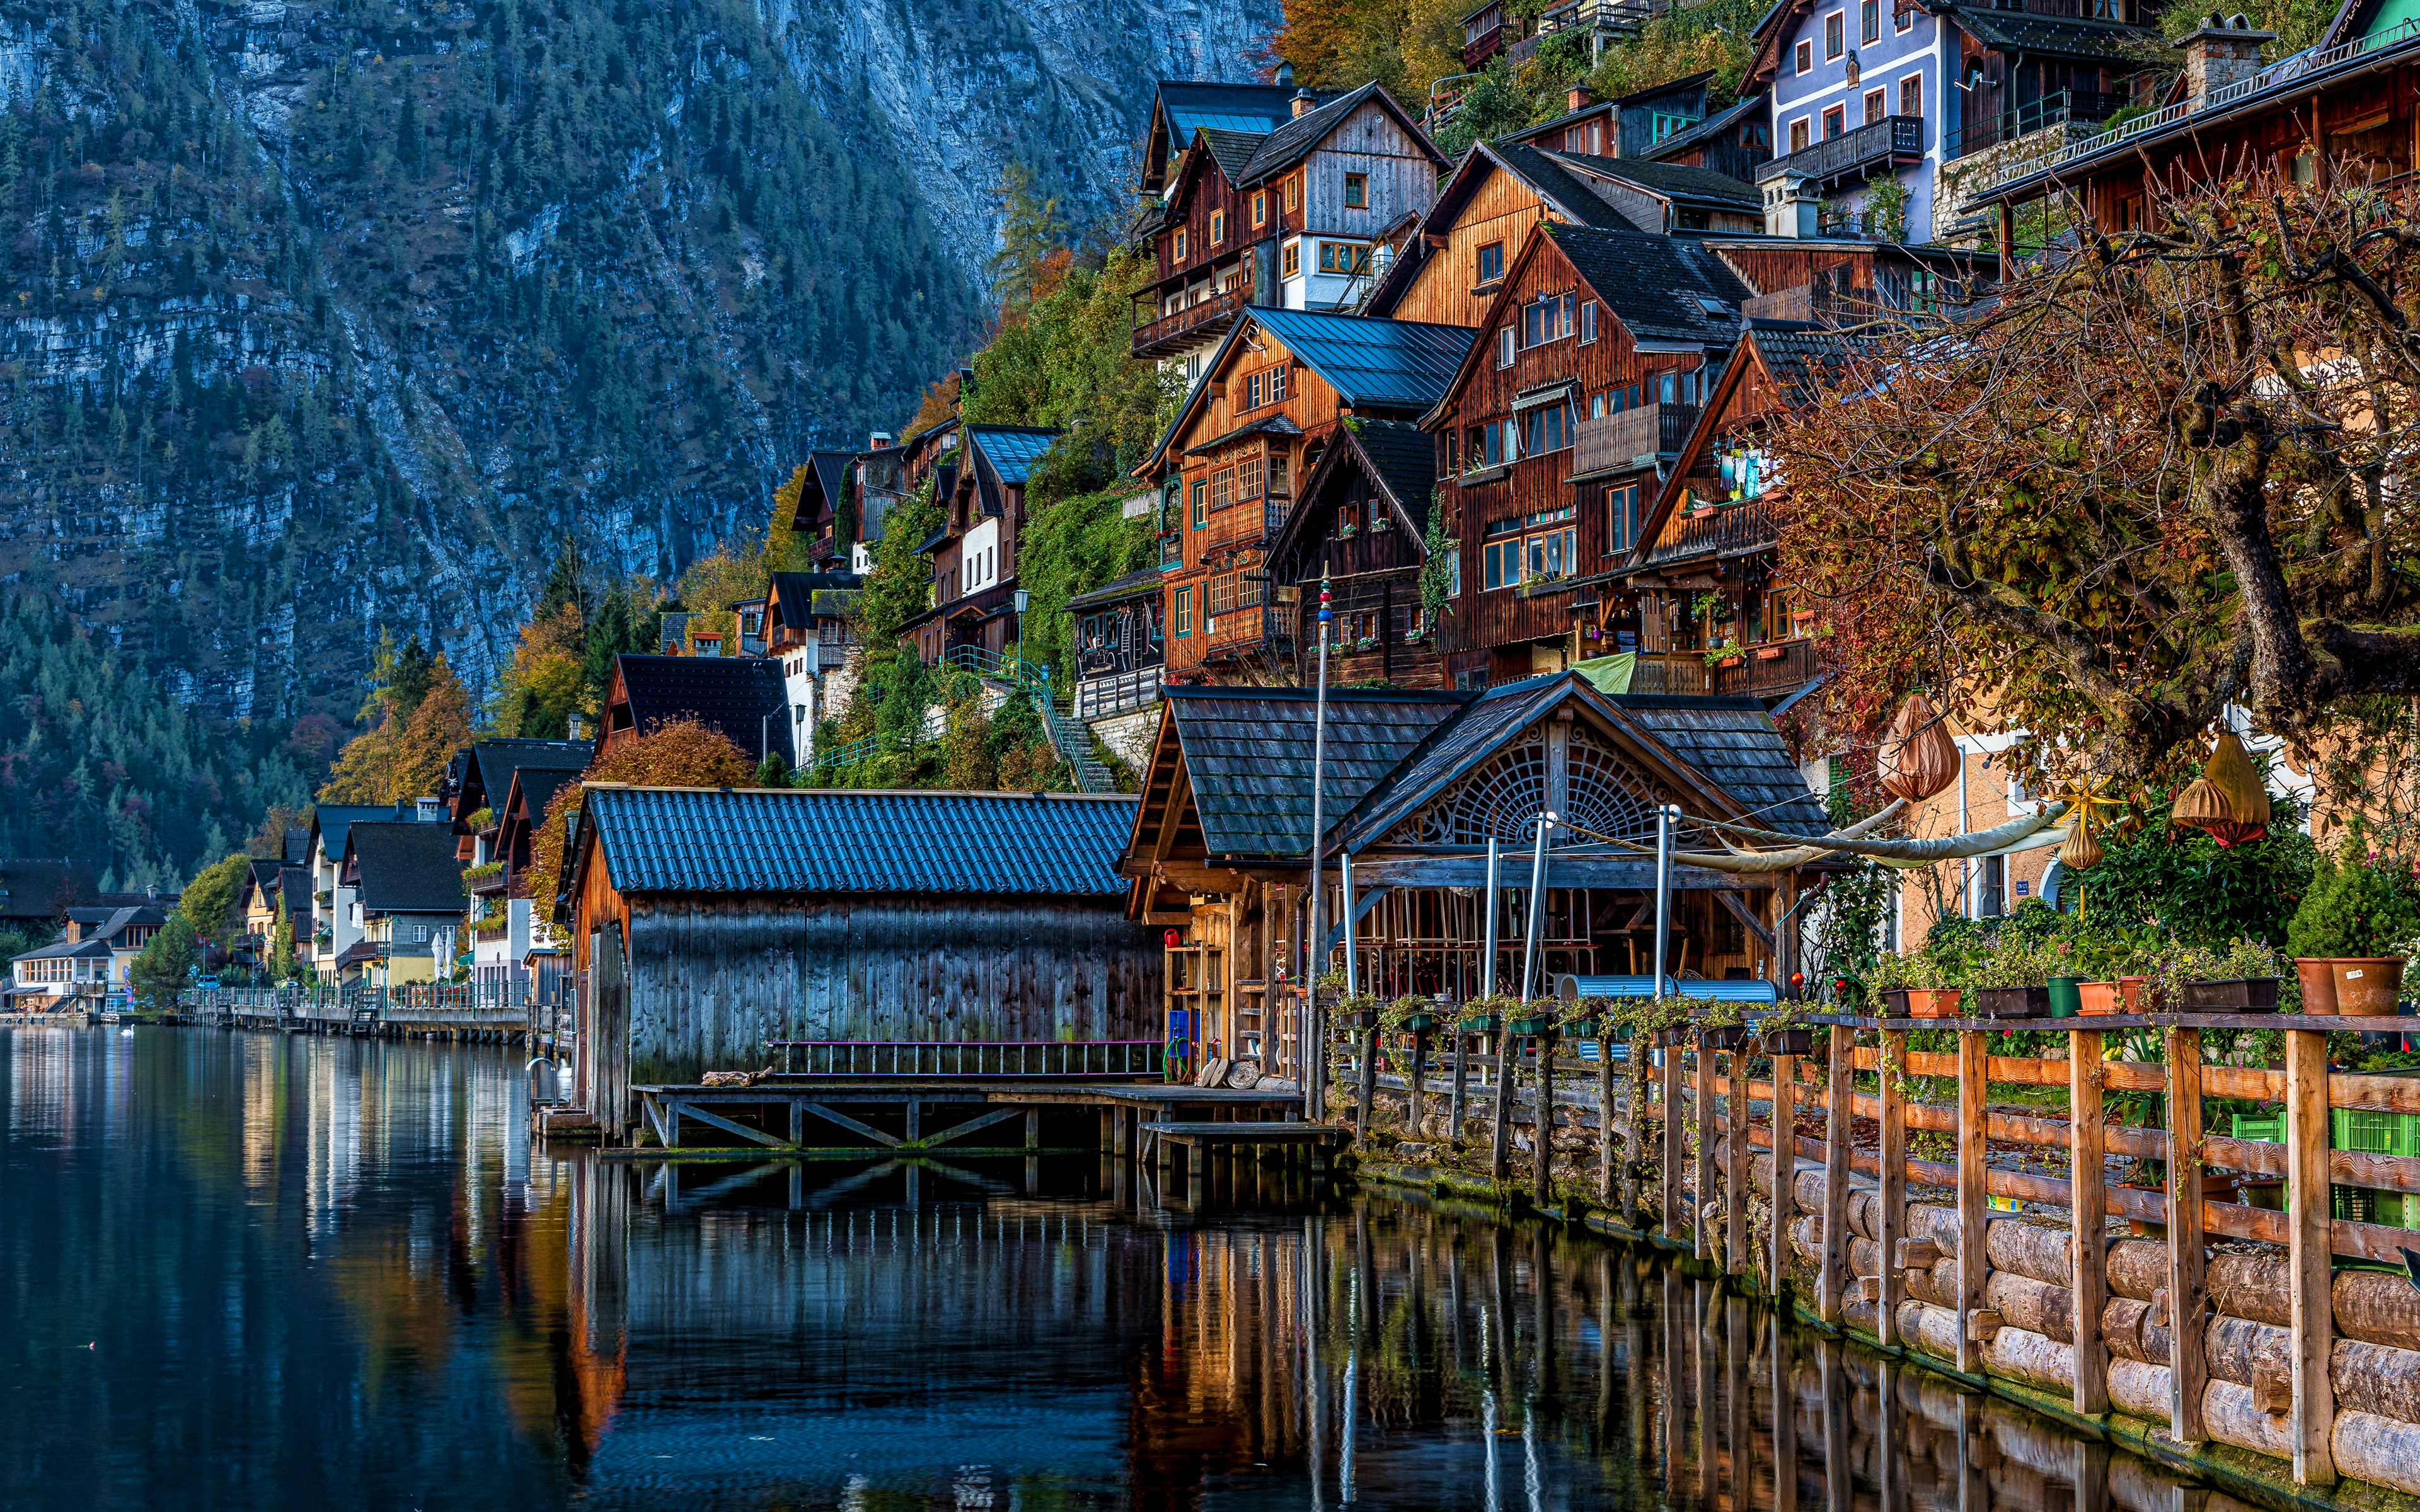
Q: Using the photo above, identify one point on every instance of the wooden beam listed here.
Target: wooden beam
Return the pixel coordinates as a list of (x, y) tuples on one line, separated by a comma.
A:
[(655, 1115), (1785, 1192), (2308, 1197), (832, 1116), (1669, 1105), (1736, 1244), (1894, 1187), (717, 1121), (1702, 1175), (1833, 1285), (959, 1130), (1739, 910), (2089, 1200), (1972, 1202), (2188, 1290)]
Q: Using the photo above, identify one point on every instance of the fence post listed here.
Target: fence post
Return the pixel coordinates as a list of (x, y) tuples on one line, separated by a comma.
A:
[(2188, 1367), (2089, 1201), (1833, 1284), (1702, 1195), (1669, 1098), (1893, 1227), (1737, 1257), (1785, 1187), (1974, 1070), (2308, 1201)]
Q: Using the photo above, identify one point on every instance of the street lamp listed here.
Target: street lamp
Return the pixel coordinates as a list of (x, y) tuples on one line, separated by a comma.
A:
[(1022, 598)]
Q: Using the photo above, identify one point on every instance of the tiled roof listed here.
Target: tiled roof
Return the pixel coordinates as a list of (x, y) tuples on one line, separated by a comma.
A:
[(743, 697), (794, 592), (1401, 365), (786, 841), (332, 820), (1231, 150), (1796, 351), (1674, 180), (1733, 742), (1293, 140), (1403, 458), (1247, 754), (1705, 130), (406, 867), (1653, 283), (2021, 31), (1133, 585), (1012, 450), (1565, 190)]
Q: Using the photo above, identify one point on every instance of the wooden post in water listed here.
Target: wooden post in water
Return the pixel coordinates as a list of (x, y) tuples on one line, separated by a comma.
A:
[(1454, 1108), (1892, 1229), (1668, 1100), (1702, 1195), (1833, 1283), (1367, 1091), (1606, 1188), (1737, 1258), (1542, 1145), (1507, 1062), (2308, 1201), (1419, 1069), (1634, 1130), (1974, 1073), (2089, 1200), (1784, 1183), (2188, 1290)]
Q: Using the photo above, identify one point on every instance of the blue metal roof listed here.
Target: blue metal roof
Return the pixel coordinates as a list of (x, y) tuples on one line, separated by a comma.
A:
[(787, 840), (1400, 364), (1012, 450)]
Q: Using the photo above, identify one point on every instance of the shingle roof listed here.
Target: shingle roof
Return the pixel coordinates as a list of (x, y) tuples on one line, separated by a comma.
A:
[(494, 762), (1268, 425), (1598, 107), (2021, 31), (785, 840), (1403, 457), (1733, 741), (298, 846), (1796, 351), (1247, 754), (1231, 150), (333, 821), (1012, 450), (1565, 190), (540, 788), (79, 950), (1194, 103), (406, 867), (1705, 130), (1293, 140), (794, 592), (831, 474), (1674, 180), (1653, 283), (743, 697), (1401, 365), (1133, 585)]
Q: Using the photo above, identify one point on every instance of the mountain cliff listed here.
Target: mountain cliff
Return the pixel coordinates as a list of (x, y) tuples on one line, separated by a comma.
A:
[(328, 317)]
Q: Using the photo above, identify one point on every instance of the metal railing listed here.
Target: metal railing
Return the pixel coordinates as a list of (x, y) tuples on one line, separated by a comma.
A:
[(1851, 152), (2067, 106), (1631, 437), (985, 663), (1127, 1059), (2301, 66)]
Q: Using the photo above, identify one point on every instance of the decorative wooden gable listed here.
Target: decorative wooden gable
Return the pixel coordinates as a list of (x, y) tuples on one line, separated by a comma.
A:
[(1559, 766)]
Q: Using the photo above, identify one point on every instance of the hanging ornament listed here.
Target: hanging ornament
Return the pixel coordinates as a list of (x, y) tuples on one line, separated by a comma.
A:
[(2079, 852), (1917, 759), (2228, 799)]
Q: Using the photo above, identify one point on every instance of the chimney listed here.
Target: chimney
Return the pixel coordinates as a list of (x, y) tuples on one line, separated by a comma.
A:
[(427, 810), (1285, 76), (1790, 206), (573, 733), (879, 440), (1303, 104), (1579, 97), (2221, 51)]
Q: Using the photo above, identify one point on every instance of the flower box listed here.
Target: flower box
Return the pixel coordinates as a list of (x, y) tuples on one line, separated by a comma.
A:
[(1768, 652), (1789, 1042), (1361, 1018), (1932, 1003), (1672, 1036), (1419, 1022), (1581, 1029), (1728, 661), (2012, 1002), (1529, 1024), (2246, 994), (1728, 1037), (1482, 1024), (1894, 1003)]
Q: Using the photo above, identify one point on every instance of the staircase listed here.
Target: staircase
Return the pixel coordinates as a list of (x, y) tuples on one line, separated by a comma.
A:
[(1068, 734)]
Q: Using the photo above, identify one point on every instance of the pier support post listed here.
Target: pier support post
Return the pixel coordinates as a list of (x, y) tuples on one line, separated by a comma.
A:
[(1541, 1146), (1893, 1228), (1785, 1413), (1737, 1258), (1668, 1104), (2089, 1200), (1121, 1123), (1366, 1090), (1033, 1128), (2188, 1288), (2308, 1203), (1506, 1062), (1702, 1194), (1454, 1107), (1419, 1069), (1834, 1281), (1605, 1189), (1974, 1073), (797, 1123), (1785, 1192)]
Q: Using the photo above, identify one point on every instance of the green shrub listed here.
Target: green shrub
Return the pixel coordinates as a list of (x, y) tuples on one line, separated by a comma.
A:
[(2354, 907)]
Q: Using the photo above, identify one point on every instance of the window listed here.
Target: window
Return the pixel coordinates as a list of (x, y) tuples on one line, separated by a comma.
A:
[(1294, 193), (1250, 477), (1903, 16), (1491, 262), (1292, 259), (1586, 137), (1911, 95), (1454, 573), (1621, 517), (1266, 387), (1836, 40), (1176, 245), (1260, 208), (1588, 322), (1875, 109), (1357, 185), (1344, 257), (1504, 348), (1870, 21), (1836, 121), (1494, 444), (1662, 125), (1219, 217), (419, 934), (1183, 612), (1546, 430), (1222, 489), (1201, 503), (1798, 135), (1527, 547), (1807, 56), (1280, 474)]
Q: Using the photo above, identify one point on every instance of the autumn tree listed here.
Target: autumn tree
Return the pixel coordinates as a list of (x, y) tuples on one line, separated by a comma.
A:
[(2156, 477), (414, 730), (674, 753)]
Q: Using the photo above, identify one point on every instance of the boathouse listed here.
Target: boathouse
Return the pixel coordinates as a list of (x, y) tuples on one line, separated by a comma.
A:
[(729, 930)]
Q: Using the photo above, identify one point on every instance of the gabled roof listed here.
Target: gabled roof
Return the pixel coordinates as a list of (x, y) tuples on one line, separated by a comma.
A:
[(1559, 189), (332, 821), (743, 697), (1675, 181), (1399, 459), (1010, 451), (1696, 82), (105, 924), (1190, 105), (793, 840), (831, 473), (1709, 129), (1231, 149), (794, 593), (1294, 140), (85, 950), (536, 790), (2022, 31), (488, 766), (405, 867), (1142, 584), (298, 846)]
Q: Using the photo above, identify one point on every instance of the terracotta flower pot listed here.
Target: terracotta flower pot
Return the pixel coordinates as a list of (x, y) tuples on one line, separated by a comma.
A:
[(1728, 661), (2319, 979), (2366, 986), (2098, 999), (1924, 1003)]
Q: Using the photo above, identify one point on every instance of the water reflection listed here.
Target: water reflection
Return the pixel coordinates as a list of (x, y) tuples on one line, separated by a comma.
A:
[(333, 1273)]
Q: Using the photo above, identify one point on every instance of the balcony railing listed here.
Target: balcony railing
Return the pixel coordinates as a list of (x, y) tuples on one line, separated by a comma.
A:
[(1633, 437), (1150, 335), (2068, 107), (1853, 154), (1098, 698), (1681, 673), (1732, 528), (1247, 624), (1248, 522), (1620, 16), (1769, 670)]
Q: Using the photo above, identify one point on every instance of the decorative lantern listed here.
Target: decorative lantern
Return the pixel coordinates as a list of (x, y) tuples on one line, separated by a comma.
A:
[(2228, 799), (2079, 852), (1917, 758)]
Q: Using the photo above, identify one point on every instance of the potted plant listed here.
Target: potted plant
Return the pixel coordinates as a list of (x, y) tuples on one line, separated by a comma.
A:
[(1358, 1011), (1887, 983), (1586, 1018), (1933, 991), (2243, 979), (1529, 1018), (2012, 980), (2342, 935), (1409, 1014), (1483, 1015), (1781, 1034), (2065, 982)]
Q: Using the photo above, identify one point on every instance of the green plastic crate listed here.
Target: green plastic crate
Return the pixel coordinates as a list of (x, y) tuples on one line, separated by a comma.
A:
[(2379, 1133), (2271, 1129), (2362, 1205)]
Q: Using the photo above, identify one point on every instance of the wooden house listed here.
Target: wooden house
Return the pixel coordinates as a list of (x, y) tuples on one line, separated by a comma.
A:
[(2351, 96), (1121, 647), (1629, 126), (825, 520), (266, 885), (743, 698), (89, 966), (974, 548), (1417, 785), (407, 901), (1361, 528), (879, 482), (478, 790), (1291, 217), (1733, 142), (1598, 349), (1180, 108), (1485, 31), (1269, 405), (706, 924)]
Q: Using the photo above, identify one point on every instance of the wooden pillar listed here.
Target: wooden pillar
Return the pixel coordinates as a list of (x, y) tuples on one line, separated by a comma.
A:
[(1634, 1131), (1668, 1104), (1032, 1128), (1974, 1070), (1107, 1138), (1892, 1230), (1606, 1162), (1121, 1123), (2088, 1139), (798, 1123), (1419, 1069), (1838, 1493), (1460, 1082), (1499, 1152), (1737, 1258), (1701, 1193), (1367, 1091), (1541, 1146), (915, 1120), (2307, 1204), (1785, 1192), (1833, 1284), (2188, 1292)]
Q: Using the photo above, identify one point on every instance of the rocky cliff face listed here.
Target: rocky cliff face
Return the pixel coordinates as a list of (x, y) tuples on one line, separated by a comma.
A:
[(328, 317)]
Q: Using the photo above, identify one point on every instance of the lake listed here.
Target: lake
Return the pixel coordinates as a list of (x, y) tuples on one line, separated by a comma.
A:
[(251, 1271)]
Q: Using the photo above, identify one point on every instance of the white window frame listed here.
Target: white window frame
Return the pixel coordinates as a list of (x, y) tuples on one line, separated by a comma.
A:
[(1916, 79), (1508, 343), (1841, 16), (1588, 321), (1806, 57), (1902, 18)]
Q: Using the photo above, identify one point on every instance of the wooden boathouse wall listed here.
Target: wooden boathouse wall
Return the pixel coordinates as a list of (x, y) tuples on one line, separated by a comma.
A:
[(712, 980)]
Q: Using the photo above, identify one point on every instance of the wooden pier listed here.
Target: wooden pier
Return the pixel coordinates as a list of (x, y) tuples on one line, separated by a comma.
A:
[(454, 1014)]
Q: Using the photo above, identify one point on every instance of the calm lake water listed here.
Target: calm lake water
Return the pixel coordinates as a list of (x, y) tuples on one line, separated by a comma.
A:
[(245, 1270)]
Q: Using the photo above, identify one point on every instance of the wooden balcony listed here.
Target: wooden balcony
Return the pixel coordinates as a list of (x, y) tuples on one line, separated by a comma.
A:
[(1632, 438), (1247, 523), (1773, 670), (1874, 148), (1733, 529), (1195, 323), (1246, 626), (1683, 672)]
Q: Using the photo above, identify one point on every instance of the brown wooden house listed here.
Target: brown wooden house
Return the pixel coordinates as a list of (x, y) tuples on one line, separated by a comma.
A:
[(825, 518), (1362, 529), (740, 696), (1228, 467), (974, 549)]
